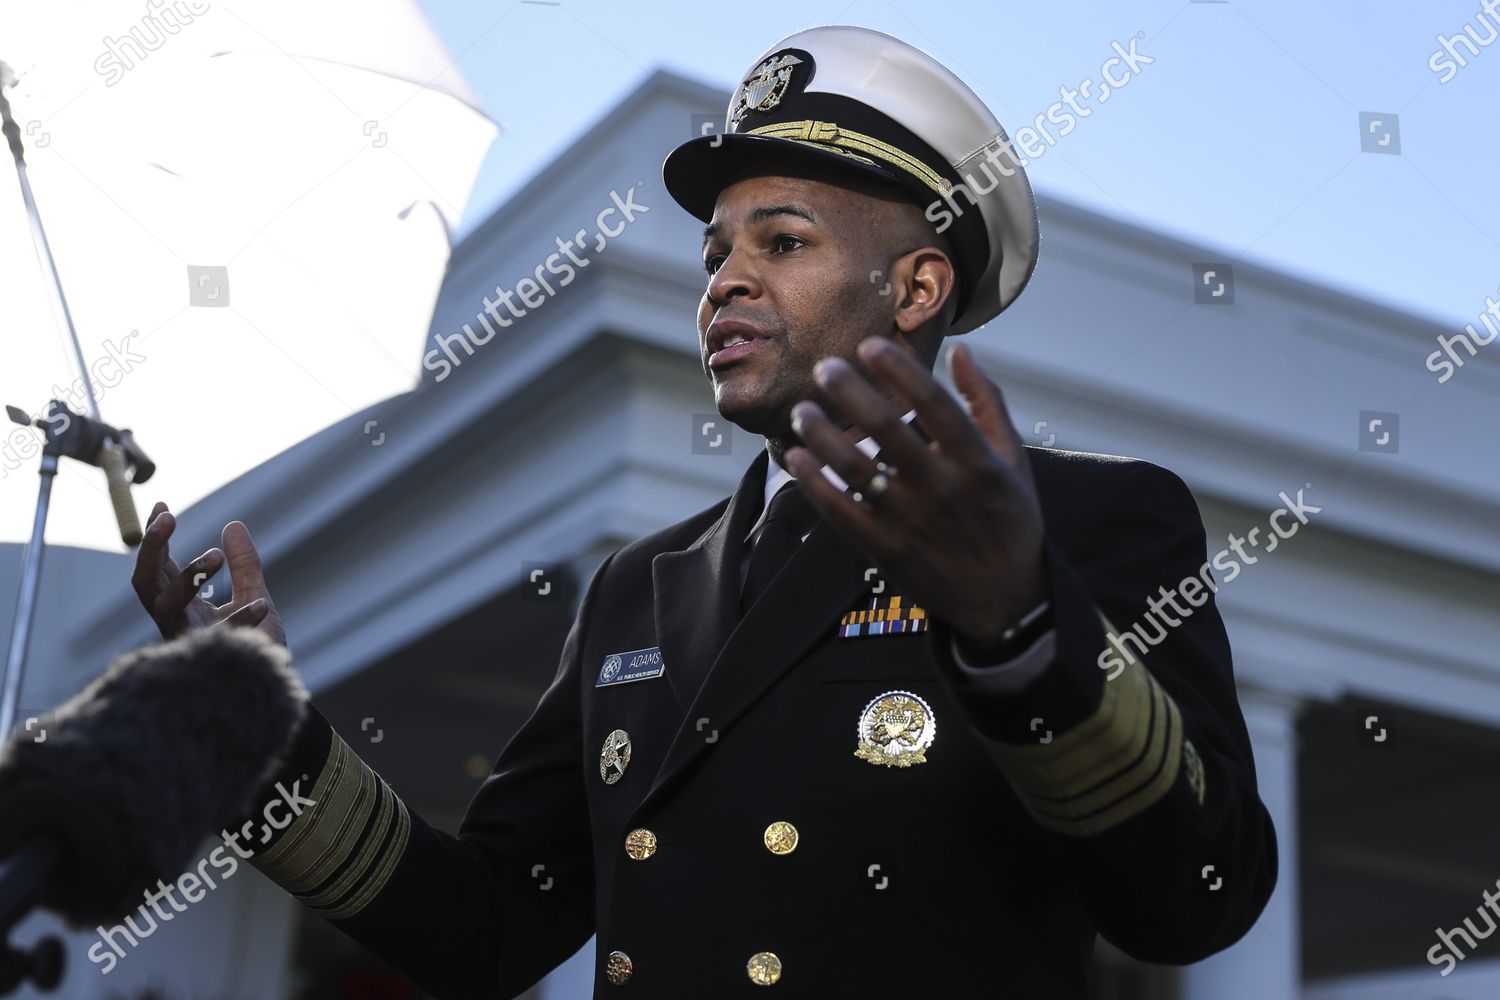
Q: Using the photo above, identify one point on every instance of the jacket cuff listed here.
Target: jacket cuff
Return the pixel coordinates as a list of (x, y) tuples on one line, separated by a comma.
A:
[(1011, 674), (326, 828), (1089, 742)]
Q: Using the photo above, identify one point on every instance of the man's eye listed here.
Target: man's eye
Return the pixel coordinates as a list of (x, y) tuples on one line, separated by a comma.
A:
[(712, 264), (786, 242)]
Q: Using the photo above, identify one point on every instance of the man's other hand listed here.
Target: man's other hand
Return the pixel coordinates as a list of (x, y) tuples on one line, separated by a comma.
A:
[(170, 595)]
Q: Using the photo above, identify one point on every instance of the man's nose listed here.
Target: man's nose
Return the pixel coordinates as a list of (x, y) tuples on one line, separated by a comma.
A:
[(735, 276)]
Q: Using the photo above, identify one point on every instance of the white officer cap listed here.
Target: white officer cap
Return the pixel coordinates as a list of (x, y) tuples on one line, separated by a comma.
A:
[(862, 98)]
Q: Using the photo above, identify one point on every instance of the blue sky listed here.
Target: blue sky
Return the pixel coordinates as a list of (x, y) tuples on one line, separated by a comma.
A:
[(1242, 133)]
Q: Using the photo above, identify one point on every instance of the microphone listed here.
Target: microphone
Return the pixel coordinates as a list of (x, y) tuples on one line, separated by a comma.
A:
[(171, 743)]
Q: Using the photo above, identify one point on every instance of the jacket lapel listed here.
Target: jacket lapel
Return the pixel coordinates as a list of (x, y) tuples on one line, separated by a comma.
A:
[(698, 622), (696, 592), (697, 614)]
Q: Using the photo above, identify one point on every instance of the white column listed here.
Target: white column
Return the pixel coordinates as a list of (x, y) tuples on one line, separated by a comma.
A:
[(1266, 963)]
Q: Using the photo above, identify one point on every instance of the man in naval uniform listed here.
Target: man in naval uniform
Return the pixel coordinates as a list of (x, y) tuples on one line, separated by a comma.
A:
[(877, 724)]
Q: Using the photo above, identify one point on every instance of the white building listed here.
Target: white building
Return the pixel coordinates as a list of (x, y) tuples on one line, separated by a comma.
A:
[(426, 581)]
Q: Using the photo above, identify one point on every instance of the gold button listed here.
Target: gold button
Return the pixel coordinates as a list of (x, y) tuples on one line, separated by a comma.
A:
[(781, 837), (764, 968), (617, 968), (640, 844)]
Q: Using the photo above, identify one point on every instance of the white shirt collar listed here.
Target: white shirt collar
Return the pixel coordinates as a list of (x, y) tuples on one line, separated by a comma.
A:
[(776, 476)]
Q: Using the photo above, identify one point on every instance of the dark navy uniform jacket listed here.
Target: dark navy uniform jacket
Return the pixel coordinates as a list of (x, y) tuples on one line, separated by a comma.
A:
[(1090, 801)]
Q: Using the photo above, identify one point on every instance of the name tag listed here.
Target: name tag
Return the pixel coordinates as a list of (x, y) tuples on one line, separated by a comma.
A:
[(635, 665)]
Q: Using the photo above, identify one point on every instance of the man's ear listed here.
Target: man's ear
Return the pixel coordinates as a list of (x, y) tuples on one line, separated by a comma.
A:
[(925, 280)]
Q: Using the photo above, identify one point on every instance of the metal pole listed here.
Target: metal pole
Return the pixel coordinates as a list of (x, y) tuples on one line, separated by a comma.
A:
[(39, 235), (15, 663), (31, 575)]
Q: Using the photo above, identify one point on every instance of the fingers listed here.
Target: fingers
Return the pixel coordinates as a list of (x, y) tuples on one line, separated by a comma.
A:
[(249, 616), (986, 403), (186, 584), (858, 402), (831, 445), (858, 520), (154, 568), (245, 574), (940, 413)]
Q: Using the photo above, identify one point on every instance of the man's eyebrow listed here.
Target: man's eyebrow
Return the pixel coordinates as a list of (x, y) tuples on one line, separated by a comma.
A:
[(771, 211), (761, 215)]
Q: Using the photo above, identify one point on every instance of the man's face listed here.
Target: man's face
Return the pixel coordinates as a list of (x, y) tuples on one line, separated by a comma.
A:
[(789, 260)]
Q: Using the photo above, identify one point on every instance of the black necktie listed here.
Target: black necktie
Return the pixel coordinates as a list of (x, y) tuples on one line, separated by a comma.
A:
[(790, 516)]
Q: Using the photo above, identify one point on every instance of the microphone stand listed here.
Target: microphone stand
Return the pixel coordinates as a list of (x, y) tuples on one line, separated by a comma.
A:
[(68, 435), (87, 438)]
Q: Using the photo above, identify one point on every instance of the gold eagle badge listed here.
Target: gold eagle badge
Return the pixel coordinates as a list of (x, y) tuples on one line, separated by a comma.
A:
[(896, 729)]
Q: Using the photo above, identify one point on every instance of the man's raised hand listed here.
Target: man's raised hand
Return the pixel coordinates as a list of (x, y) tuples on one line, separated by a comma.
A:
[(170, 595), (959, 527)]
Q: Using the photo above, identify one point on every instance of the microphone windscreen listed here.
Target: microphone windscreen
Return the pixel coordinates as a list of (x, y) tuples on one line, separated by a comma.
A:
[(170, 744)]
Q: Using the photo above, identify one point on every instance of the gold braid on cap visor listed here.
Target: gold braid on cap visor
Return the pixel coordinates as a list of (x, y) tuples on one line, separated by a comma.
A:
[(828, 135)]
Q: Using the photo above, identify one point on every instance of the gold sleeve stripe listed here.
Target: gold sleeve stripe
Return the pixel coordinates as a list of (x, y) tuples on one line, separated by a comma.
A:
[(339, 854), (830, 136), (1109, 767)]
